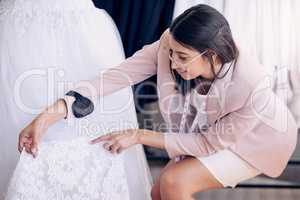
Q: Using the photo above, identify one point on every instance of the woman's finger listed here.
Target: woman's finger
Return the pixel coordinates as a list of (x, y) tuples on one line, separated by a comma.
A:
[(34, 145), (20, 145), (22, 141), (101, 138), (107, 146), (27, 148), (120, 150), (115, 147), (34, 149)]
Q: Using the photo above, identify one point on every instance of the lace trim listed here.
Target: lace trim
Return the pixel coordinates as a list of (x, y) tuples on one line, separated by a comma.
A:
[(72, 170)]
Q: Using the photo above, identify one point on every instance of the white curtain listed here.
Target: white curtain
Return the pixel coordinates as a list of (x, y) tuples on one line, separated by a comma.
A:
[(182, 5), (295, 69), (270, 29)]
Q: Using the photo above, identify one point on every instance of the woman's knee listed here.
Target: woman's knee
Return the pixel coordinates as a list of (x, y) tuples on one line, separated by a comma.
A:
[(171, 182), (172, 187), (155, 191)]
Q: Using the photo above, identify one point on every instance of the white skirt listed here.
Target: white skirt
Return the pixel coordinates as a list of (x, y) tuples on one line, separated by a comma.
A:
[(228, 168)]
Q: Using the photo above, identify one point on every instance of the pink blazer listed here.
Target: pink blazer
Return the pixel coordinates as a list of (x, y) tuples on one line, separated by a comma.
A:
[(244, 114)]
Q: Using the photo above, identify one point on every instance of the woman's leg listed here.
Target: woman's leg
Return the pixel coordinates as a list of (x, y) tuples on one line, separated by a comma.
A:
[(185, 178), (155, 192)]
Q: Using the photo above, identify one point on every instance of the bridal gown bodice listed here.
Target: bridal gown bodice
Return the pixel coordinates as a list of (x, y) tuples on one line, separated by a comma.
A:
[(45, 47)]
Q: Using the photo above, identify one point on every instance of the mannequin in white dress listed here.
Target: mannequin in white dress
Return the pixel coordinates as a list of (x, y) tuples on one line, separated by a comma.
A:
[(45, 46)]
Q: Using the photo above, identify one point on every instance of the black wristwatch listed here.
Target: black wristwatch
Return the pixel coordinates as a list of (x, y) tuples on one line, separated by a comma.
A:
[(82, 106)]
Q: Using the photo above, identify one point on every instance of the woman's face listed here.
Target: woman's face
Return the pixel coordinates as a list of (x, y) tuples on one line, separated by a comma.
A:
[(189, 63)]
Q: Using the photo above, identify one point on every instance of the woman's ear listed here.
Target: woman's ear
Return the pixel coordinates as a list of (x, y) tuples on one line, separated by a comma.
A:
[(209, 55), (213, 55)]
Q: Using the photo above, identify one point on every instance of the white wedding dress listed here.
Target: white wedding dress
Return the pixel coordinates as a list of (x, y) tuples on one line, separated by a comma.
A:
[(45, 46)]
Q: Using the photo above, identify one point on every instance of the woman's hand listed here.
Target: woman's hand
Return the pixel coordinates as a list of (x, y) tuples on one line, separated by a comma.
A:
[(116, 142), (31, 135)]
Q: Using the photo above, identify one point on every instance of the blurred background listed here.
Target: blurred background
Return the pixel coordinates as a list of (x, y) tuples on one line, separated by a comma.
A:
[(268, 28)]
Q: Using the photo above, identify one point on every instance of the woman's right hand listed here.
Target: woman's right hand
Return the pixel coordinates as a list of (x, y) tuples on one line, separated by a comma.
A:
[(31, 135)]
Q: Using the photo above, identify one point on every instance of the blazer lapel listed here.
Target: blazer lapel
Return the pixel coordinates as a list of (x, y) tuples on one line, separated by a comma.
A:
[(213, 103)]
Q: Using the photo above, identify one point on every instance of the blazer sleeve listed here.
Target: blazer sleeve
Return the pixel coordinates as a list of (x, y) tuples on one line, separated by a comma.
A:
[(81, 99), (256, 116)]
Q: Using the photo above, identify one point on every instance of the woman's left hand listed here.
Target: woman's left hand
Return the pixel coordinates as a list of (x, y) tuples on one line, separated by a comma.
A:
[(116, 142)]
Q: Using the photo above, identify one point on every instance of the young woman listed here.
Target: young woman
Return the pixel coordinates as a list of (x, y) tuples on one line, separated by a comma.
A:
[(224, 122)]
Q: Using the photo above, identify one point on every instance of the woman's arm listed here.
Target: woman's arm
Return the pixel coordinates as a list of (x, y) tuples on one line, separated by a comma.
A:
[(224, 134), (151, 138), (83, 97), (80, 101), (121, 140), (54, 113)]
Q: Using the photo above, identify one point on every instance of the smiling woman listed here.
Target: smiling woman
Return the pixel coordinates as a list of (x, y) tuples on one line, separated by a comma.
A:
[(202, 45)]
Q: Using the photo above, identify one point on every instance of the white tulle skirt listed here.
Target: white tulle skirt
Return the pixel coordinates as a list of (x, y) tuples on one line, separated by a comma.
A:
[(46, 47)]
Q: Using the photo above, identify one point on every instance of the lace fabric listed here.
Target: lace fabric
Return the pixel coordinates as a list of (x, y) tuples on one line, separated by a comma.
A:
[(66, 170)]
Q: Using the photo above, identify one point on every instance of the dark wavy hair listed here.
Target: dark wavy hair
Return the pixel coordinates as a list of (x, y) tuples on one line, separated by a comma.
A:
[(204, 28)]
